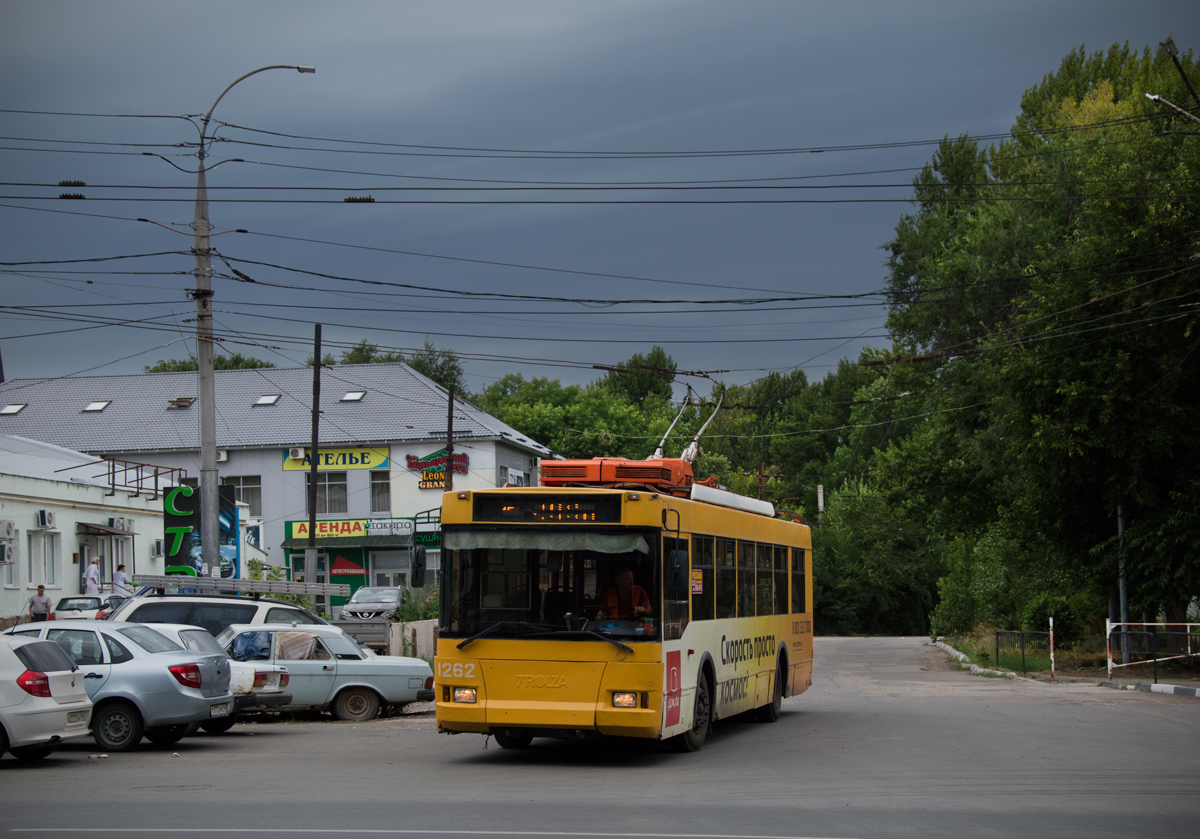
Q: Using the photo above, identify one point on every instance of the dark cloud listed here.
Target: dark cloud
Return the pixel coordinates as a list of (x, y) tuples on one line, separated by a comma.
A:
[(603, 79)]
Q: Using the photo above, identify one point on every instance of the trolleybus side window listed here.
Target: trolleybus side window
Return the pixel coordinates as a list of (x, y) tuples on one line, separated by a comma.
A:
[(726, 578), (675, 603), (745, 579), (701, 581), (766, 601), (781, 580), (799, 582)]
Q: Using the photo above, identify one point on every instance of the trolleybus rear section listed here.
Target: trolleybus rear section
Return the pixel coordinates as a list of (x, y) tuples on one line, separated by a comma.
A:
[(600, 610)]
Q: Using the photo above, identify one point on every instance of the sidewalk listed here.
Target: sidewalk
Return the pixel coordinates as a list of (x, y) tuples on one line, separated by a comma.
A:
[(1130, 680)]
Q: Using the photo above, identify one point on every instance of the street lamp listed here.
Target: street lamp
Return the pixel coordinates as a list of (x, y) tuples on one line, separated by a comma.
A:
[(209, 532)]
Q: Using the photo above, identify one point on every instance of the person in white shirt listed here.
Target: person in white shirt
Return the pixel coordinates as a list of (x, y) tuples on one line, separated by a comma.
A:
[(121, 583), (91, 577)]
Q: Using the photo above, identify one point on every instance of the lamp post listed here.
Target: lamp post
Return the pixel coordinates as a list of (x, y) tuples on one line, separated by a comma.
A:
[(209, 530)]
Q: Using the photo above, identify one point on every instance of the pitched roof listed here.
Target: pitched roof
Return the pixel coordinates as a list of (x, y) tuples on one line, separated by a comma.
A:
[(160, 412), (35, 459)]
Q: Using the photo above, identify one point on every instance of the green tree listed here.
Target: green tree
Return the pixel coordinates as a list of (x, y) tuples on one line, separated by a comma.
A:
[(442, 366), (649, 377), (223, 361)]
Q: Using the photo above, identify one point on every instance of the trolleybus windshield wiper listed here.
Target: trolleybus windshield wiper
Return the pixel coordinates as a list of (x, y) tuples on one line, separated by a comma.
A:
[(594, 634), (496, 626)]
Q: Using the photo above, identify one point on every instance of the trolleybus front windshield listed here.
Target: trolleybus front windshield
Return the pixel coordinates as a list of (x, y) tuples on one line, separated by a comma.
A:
[(546, 583)]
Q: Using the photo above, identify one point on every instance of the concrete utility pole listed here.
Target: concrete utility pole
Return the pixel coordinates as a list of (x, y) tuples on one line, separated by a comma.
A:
[(210, 533)]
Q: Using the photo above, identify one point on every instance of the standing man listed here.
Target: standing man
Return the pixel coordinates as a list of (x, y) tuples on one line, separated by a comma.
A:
[(121, 582), (39, 605), (91, 577)]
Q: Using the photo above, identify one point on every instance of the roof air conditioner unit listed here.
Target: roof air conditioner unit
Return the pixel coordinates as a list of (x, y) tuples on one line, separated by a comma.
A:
[(45, 519), (222, 455), (158, 547), (8, 554), (296, 454), (8, 530)]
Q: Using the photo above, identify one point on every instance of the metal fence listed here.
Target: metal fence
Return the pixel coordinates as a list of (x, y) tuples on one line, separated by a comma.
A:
[(1150, 643), (1018, 639)]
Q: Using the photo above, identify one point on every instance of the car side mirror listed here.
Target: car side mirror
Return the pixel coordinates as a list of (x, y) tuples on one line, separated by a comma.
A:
[(416, 574)]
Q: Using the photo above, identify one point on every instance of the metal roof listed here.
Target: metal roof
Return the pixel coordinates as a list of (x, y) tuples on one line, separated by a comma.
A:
[(35, 459), (158, 411)]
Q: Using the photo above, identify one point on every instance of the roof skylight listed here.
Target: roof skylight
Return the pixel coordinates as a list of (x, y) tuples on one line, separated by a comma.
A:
[(268, 399), (14, 408), (354, 396), (96, 407)]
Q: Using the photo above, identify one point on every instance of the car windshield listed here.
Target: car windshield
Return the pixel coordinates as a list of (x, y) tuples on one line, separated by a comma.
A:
[(149, 640), (375, 595), (529, 582)]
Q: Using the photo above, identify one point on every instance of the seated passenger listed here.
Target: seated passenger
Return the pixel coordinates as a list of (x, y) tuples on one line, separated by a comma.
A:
[(627, 600)]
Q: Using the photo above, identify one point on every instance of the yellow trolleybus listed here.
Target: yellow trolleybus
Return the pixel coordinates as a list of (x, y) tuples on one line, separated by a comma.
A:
[(620, 598)]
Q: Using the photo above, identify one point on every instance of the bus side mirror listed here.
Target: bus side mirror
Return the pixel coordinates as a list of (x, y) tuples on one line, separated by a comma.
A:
[(416, 573), (677, 572)]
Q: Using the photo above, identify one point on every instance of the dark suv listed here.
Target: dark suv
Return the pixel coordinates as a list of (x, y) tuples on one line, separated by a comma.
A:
[(214, 612)]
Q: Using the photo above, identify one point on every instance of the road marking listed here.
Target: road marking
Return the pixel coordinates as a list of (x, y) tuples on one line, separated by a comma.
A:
[(414, 832)]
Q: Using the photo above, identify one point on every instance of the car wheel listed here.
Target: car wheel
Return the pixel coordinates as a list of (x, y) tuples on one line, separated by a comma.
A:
[(117, 727), (220, 725), (512, 738), (167, 734), (33, 752), (692, 739), (356, 705), (770, 713)]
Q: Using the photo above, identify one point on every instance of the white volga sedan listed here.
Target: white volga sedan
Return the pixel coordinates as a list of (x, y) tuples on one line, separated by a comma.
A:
[(328, 671)]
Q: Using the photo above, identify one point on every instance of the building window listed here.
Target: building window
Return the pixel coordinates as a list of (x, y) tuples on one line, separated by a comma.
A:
[(248, 490), (331, 492), (381, 492), (42, 558)]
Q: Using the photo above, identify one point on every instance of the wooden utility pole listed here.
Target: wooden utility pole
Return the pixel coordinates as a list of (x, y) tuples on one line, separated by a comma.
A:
[(310, 552), (449, 482)]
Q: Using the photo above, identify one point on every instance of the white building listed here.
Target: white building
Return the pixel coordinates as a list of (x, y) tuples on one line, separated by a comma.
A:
[(58, 509), (382, 445)]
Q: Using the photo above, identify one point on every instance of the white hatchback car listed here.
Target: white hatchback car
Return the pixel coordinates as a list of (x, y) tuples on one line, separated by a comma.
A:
[(42, 698)]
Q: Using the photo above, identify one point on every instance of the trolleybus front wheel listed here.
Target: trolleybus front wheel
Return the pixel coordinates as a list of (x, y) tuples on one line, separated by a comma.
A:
[(512, 738), (692, 739)]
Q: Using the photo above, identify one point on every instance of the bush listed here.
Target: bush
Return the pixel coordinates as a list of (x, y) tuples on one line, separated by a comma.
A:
[(1040, 609)]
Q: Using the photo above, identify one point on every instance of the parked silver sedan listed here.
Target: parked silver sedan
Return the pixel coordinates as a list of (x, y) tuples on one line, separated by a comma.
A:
[(256, 685), (141, 683), (329, 671)]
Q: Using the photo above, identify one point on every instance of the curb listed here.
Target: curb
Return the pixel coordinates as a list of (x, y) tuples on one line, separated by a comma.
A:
[(976, 670), (1173, 690)]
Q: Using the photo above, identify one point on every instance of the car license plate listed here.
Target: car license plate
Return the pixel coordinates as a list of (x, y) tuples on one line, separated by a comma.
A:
[(76, 717), (221, 710)]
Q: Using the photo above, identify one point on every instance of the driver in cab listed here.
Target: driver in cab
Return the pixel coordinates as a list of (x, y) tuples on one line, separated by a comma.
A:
[(627, 600)]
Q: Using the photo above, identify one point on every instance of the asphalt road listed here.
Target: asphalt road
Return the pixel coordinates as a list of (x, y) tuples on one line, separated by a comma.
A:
[(890, 741)]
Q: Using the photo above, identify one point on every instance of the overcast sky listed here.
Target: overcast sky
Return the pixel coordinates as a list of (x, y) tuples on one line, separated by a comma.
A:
[(716, 178)]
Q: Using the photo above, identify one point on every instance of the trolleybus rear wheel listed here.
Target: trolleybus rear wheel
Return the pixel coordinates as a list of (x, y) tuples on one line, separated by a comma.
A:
[(770, 712)]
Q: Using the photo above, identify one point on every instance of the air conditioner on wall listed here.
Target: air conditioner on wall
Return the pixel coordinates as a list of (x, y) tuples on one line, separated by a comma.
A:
[(8, 554), (8, 530), (222, 455), (296, 454), (158, 547), (46, 519)]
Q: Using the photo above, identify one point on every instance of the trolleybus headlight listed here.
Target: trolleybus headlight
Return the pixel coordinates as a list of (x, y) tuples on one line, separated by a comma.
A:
[(624, 699), (464, 695)]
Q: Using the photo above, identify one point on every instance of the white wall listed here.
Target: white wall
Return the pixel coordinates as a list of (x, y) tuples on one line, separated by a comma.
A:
[(55, 553)]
